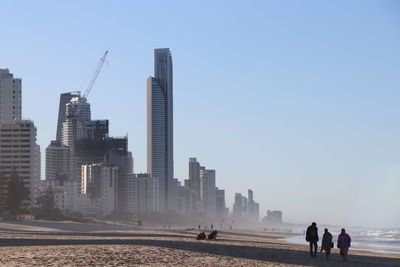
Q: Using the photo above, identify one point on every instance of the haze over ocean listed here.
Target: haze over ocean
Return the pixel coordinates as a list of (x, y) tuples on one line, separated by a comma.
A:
[(298, 101)]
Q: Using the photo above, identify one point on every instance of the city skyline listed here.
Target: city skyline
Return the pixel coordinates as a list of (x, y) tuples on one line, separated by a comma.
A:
[(284, 116)]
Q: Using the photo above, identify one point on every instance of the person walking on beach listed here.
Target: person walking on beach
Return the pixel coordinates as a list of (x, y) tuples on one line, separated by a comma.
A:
[(327, 243), (312, 238), (343, 243)]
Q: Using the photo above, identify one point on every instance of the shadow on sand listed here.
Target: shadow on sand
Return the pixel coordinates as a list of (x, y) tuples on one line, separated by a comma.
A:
[(256, 253)]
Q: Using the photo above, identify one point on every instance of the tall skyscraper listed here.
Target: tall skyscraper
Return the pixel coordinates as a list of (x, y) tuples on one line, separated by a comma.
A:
[(10, 100), (160, 124), (65, 98)]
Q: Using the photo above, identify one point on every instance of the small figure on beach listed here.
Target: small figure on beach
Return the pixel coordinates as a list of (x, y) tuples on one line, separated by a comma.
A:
[(344, 243), (212, 227), (213, 235), (327, 243), (312, 238), (201, 236)]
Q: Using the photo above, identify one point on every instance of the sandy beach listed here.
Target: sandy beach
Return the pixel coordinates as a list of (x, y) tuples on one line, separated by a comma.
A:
[(41, 243)]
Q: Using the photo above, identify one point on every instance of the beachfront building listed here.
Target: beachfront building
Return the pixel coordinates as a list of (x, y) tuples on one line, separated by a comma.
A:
[(220, 206), (208, 191), (194, 176), (252, 207), (57, 163), (237, 206), (19, 157), (99, 183), (10, 97), (65, 98), (160, 126), (274, 217), (146, 193)]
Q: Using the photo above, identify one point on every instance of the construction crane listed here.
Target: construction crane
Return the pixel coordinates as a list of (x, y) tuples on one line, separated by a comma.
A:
[(92, 81)]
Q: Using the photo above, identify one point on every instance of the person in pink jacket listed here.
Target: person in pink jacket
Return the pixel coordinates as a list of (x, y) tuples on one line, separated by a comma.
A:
[(343, 243)]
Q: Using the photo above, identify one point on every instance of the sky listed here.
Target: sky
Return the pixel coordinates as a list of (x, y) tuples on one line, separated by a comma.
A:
[(297, 100)]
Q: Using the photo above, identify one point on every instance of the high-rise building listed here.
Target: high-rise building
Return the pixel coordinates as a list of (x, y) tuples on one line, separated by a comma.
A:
[(252, 207), (238, 206), (160, 124), (208, 191), (20, 155), (220, 203), (65, 98), (194, 176), (57, 163), (77, 113), (147, 193), (10, 97), (99, 182)]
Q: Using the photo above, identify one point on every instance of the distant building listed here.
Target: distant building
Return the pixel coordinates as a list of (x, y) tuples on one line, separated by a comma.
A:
[(77, 113), (208, 191), (10, 100), (147, 193), (99, 183), (252, 207), (274, 217), (65, 98), (131, 194), (57, 163), (238, 206), (246, 208), (160, 125), (220, 203), (20, 154), (194, 176)]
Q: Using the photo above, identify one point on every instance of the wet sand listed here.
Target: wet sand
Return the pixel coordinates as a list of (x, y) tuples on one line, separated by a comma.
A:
[(42, 243)]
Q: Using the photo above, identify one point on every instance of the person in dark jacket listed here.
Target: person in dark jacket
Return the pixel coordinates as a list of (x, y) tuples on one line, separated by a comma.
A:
[(201, 236), (344, 243), (312, 238), (327, 243), (213, 235)]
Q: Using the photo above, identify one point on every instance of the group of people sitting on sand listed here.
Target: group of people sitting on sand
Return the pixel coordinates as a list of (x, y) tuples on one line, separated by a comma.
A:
[(343, 242), (211, 236)]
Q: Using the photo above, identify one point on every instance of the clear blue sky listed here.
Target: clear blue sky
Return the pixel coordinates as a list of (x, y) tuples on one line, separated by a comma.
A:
[(298, 100)]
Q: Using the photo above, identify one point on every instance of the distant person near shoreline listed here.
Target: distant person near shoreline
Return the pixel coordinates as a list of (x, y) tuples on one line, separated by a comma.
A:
[(327, 243), (312, 238), (344, 243)]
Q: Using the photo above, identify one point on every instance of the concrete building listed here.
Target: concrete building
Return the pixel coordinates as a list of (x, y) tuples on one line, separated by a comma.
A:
[(252, 207), (99, 183), (131, 194), (77, 113), (57, 163), (194, 176), (220, 205), (117, 154), (238, 206), (19, 153), (160, 124), (147, 193), (10, 97), (186, 201), (65, 98), (208, 191), (274, 217)]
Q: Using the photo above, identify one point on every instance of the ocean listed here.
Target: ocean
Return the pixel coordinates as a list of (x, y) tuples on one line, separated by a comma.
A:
[(376, 240)]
